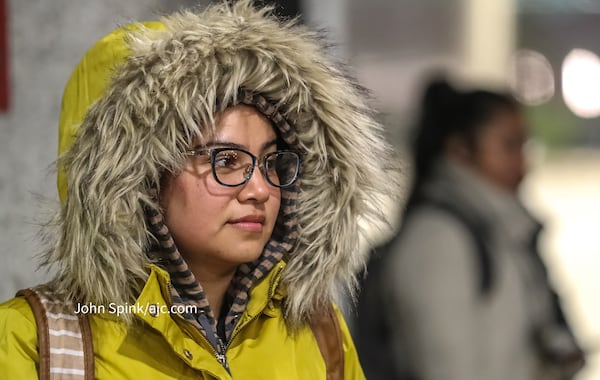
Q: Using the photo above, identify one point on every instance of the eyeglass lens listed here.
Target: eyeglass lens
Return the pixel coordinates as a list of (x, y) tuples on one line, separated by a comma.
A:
[(233, 167)]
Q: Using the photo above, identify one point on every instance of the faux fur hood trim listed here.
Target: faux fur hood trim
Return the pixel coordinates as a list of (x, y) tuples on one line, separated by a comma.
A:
[(167, 90)]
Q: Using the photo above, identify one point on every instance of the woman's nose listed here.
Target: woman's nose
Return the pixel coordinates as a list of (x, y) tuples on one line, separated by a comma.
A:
[(257, 187)]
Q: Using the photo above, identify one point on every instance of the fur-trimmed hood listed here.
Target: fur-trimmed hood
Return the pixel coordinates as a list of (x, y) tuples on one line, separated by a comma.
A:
[(152, 88)]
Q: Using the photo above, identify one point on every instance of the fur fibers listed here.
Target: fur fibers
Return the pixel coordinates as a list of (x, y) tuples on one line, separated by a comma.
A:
[(137, 130)]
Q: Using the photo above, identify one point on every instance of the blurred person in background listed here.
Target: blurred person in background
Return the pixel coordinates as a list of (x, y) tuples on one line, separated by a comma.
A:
[(215, 168), (460, 293)]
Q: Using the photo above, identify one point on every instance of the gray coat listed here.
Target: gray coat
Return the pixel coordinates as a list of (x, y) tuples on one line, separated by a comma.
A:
[(441, 326)]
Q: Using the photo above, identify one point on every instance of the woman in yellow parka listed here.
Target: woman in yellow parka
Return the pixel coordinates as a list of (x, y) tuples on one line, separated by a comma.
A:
[(214, 169)]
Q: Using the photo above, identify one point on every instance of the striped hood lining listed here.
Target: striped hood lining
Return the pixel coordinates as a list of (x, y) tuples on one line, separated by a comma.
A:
[(186, 289)]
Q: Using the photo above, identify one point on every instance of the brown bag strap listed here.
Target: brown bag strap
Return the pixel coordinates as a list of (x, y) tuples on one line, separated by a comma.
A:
[(328, 334), (65, 344), (88, 347), (39, 312)]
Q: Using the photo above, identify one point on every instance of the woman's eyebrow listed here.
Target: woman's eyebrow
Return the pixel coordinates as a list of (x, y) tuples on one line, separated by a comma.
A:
[(269, 144), (223, 144), (227, 144)]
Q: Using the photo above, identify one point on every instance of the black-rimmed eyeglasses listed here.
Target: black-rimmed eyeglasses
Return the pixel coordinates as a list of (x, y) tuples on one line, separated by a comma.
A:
[(233, 167)]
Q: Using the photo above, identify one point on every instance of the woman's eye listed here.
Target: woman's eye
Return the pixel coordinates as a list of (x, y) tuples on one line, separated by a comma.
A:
[(272, 163), (226, 159)]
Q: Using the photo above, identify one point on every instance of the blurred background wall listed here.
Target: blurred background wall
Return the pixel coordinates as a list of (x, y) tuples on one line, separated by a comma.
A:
[(45, 40), (544, 50)]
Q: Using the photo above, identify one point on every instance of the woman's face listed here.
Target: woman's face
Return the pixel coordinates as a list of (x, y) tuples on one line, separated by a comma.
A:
[(499, 155), (217, 227)]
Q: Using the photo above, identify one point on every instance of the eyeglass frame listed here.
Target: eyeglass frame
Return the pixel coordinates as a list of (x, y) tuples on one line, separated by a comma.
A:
[(212, 153)]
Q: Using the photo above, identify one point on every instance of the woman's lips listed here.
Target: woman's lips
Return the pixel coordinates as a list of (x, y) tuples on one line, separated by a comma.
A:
[(251, 223)]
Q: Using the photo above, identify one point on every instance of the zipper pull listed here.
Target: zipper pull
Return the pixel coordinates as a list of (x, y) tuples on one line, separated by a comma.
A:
[(221, 357)]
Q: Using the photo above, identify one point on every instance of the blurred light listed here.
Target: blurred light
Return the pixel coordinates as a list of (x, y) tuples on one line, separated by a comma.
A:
[(581, 83), (531, 78)]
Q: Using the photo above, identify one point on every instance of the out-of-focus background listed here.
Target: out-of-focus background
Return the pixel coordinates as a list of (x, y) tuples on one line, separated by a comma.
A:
[(546, 51)]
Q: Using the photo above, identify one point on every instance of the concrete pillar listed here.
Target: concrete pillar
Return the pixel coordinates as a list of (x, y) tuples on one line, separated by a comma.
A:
[(331, 15), (488, 40), (46, 40)]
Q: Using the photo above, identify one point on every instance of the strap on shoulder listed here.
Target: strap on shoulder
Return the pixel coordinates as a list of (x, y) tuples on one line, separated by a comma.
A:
[(328, 334), (88, 347), (480, 235), (39, 312), (65, 342)]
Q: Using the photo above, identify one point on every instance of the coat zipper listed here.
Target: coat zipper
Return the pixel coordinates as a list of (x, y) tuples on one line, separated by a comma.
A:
[(221, 350), (217, 344), (218, 352), (237, 330)]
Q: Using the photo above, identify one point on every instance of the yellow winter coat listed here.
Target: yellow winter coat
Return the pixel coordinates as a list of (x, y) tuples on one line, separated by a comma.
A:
[(260, 349)]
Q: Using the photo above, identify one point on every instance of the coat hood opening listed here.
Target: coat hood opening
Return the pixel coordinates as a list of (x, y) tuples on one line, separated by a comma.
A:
[(141, 94)]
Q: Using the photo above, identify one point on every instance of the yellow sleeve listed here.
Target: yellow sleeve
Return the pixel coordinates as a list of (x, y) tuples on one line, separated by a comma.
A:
[(18, 340), (352, 367)]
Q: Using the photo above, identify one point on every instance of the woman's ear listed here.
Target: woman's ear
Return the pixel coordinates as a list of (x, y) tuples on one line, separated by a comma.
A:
[(458, 149)]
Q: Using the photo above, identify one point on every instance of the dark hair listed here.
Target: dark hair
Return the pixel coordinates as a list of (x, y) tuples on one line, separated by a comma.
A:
[(447, 112)]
